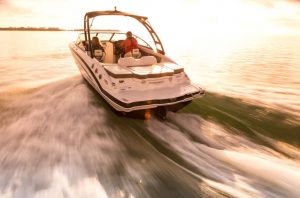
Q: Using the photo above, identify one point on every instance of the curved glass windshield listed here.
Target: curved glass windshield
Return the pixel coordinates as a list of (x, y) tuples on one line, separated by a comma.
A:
[(113, 36), (113, 28)]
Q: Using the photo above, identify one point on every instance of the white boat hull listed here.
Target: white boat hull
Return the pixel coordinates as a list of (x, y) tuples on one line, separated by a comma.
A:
[(129, 89)]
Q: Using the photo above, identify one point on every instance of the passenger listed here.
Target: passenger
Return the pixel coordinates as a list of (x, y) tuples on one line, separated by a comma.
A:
[(97, 48), (130, 46), (96, 43)]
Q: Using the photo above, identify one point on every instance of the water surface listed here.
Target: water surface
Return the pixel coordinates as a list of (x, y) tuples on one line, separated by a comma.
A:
[(58, 138)]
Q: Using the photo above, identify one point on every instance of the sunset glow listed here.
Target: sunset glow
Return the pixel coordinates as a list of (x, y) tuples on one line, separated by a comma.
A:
[(202, 100), (232, 16)]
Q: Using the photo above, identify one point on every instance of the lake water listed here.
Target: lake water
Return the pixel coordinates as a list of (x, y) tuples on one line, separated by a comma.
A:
[(59, 139)]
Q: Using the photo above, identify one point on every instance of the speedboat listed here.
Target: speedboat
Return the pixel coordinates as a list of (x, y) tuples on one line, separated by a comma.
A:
[(151, 83)]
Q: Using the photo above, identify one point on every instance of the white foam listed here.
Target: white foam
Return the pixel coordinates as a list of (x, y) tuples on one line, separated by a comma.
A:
[(285, 148), (41, 143), (275, 173), (54, 182), (232, 162)]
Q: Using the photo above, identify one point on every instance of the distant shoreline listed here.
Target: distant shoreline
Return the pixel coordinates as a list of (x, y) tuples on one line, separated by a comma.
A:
[(52, 29)]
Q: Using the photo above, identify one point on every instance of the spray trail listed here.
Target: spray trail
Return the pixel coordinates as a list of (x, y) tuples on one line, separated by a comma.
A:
[(62, 141), (226, 160)]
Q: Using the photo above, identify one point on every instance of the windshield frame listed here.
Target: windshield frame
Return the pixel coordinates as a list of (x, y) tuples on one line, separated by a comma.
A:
[(142, 19)]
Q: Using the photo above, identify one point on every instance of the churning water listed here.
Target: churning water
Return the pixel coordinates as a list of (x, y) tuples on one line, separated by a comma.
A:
[(58, 138)]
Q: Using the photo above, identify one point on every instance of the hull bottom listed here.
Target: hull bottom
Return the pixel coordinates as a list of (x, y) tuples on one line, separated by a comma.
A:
[(159, 112)]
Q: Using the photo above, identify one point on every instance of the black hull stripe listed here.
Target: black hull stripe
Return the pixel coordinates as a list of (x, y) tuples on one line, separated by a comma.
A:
[(139, 103)]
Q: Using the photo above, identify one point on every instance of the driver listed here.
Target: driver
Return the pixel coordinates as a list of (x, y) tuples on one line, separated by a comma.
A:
[(130, 46)]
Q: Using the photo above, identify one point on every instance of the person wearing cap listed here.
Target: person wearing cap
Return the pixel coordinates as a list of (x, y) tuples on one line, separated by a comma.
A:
[(130, 46)]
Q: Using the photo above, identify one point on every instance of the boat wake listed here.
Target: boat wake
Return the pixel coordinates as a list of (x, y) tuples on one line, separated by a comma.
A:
[(63, 140), (227, 161), (40, 133)]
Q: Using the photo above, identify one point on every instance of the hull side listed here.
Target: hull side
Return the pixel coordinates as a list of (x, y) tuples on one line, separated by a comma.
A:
[(84, 66)]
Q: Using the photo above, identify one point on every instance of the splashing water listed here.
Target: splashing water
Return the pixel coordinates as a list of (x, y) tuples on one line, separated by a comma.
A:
[(229, 161), (60, 140)]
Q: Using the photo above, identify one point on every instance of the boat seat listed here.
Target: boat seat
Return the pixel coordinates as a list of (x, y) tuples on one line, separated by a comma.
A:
[(148, 60), (143, 61), (126, 61)]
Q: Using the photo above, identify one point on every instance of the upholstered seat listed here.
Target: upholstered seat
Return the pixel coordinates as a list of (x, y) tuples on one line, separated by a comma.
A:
[(143, 61)]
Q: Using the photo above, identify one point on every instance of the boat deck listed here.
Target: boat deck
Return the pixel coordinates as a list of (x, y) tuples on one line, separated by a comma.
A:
[(143, 68)]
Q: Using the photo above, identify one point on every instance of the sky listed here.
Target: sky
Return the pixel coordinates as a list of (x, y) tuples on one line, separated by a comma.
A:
[(198, 16)]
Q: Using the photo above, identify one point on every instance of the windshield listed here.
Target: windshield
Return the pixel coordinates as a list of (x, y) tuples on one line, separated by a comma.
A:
[(123, 24), (112, 37)]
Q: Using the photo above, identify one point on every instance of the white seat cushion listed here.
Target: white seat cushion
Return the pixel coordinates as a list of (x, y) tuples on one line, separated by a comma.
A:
[(148, 60), (130, 61), (126, 61)]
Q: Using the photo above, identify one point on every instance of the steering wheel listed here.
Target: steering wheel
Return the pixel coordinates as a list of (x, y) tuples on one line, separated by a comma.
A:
[(119, 51)]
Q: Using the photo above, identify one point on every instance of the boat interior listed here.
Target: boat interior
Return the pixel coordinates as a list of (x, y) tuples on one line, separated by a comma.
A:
[(148, 65), (113, 54)]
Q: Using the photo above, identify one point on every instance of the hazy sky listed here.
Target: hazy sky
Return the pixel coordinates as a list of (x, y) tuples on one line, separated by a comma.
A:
[(226, 16)]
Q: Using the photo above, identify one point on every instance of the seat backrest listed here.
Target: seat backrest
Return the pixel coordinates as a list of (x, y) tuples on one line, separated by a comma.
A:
[(136, 53), (148, 60), (126, 61), (98, 53), (130, 61)]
